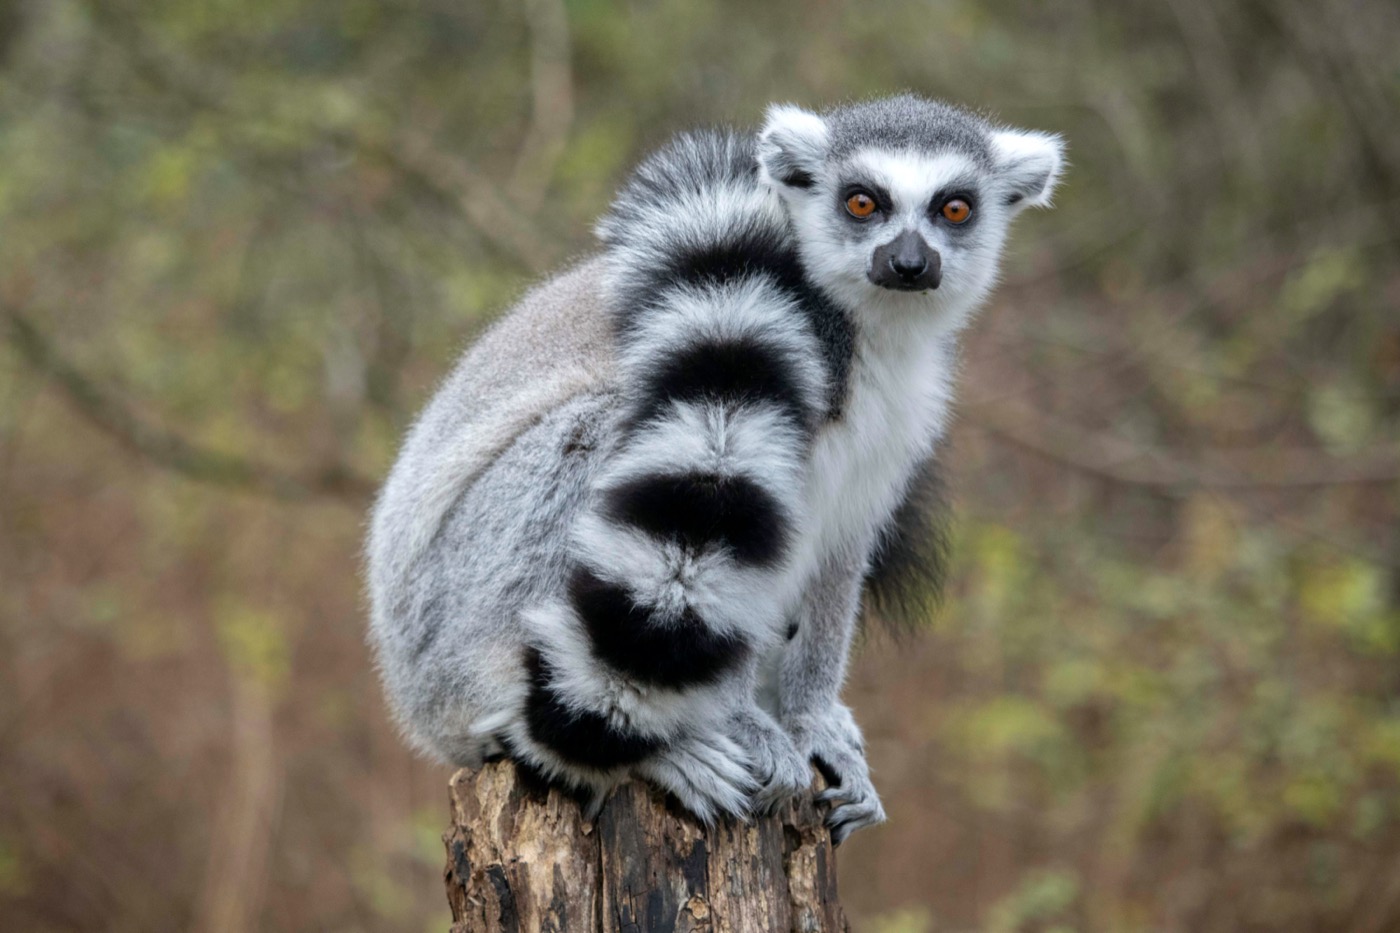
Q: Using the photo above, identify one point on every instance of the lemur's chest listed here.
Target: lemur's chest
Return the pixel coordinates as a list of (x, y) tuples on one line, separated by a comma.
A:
[(896, 408)]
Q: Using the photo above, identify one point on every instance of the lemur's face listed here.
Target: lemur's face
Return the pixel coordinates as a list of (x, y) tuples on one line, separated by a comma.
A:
[(904, 204)]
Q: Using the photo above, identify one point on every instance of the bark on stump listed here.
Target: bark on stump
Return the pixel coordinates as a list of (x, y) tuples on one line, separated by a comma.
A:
[(522, 858)]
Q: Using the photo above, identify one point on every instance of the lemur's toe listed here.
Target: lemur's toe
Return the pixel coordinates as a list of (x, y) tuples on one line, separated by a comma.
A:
[(786, 774), (709, 775), (781, 787), (847, 818)]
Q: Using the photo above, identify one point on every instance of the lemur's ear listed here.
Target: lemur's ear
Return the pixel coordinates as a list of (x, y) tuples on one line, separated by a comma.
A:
[(792, 146), (1031, 163)]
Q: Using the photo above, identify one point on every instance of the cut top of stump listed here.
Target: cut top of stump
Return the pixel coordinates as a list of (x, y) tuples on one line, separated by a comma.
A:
[(521, 857)]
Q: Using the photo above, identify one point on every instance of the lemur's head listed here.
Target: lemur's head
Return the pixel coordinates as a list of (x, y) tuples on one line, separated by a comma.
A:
[(904, 202)]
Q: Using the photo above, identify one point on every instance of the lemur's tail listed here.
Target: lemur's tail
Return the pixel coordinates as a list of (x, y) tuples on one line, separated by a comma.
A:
[(679, 564)]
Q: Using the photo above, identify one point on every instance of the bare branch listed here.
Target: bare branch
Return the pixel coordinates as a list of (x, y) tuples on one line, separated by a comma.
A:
[(552, 105), (1204, 42), (1173, 471), (450, 180), (169, 450), (500, 221)]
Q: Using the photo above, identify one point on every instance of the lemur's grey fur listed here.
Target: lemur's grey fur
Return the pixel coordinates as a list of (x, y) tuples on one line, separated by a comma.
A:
[(630, 533)]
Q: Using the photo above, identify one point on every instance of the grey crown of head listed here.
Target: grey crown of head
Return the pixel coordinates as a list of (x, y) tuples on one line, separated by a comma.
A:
[(907, 122)]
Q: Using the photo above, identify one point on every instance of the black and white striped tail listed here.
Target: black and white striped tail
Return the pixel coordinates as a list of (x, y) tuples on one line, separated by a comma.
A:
[(678, 566)]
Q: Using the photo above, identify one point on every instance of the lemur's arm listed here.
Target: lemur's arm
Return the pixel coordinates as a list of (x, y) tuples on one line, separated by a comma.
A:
[(811, 672), (815, 658)]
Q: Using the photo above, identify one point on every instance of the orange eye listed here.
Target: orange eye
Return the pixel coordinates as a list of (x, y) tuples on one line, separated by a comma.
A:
[(860, 205), (956, 211)]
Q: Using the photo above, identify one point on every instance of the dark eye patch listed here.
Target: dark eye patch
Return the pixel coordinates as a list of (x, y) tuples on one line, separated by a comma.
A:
[(880, 193), (962, 189)]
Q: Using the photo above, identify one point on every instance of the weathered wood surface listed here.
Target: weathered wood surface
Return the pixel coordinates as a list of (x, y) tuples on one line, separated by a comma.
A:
[(522, 858)]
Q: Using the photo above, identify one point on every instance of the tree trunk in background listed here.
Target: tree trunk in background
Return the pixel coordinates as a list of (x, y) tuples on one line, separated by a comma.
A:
[(522, 858)]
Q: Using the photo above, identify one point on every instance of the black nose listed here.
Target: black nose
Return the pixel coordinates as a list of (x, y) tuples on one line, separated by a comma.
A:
[(908, 267), (907, 264)]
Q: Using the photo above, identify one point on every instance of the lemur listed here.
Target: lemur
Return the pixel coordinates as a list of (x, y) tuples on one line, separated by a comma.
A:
[(630, 534)]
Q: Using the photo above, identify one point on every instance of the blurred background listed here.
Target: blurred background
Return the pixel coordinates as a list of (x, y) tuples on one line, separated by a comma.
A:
[(240, 240)]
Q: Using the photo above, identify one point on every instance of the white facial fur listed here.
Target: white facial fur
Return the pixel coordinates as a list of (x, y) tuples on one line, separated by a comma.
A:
[(838, 250)]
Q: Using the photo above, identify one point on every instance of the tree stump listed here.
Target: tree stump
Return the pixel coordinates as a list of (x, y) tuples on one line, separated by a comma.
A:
[(521, 857)]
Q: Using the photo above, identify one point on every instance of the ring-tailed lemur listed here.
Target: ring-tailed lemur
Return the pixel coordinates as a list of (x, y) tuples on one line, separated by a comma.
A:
[(630, 533)]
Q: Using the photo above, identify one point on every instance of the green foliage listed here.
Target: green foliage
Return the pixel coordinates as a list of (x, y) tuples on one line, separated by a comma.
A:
[(255, 645), (1199, 682), (909, 920), (1040, 899), (12, 875)]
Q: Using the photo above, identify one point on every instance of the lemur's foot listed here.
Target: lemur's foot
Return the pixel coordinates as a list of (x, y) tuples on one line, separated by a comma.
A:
[(834, 742), (710, 775), (779, 768)]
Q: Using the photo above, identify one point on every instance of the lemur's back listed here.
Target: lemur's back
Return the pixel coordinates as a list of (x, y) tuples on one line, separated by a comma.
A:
[(552, 346), (439, 515)]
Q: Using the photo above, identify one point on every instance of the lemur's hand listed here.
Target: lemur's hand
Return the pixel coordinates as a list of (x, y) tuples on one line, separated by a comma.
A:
[(833, 741), (780, 769)]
